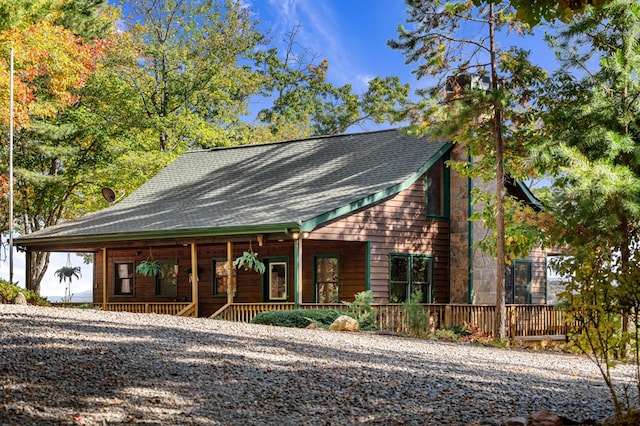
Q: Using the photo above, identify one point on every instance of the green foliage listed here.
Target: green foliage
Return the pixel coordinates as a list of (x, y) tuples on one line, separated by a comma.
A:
[(250, 262), (446, 335), (298, 318), (68, 272), (8, 293), (417, 320), (593, 147), (363, 311), (150, 268), (533, 12)]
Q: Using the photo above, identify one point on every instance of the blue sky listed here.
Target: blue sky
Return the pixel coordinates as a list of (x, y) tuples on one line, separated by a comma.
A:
[(351, 34)]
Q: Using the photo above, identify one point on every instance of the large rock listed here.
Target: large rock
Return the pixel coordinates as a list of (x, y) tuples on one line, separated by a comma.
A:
[(345, 323), (20, 299), (545, 418)]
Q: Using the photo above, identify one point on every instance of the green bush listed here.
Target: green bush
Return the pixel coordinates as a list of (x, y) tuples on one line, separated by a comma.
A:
[(362, 311), (8, 292), (298, 318), (416, 318)]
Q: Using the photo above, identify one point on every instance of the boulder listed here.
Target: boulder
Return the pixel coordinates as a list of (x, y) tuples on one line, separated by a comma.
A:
[(544, 418), (345, 323), (20, 299), (515, 421)]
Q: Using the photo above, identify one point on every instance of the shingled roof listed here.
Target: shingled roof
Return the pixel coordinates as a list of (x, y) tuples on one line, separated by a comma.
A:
[(258, 188)]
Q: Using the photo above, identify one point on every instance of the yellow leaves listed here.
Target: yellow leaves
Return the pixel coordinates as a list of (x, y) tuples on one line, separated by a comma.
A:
[(51, 63)]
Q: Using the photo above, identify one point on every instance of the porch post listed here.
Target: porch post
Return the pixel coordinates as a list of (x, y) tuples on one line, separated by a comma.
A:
[(194, 278), (27, 268), (230, 287), (104, 278), (297, 258)]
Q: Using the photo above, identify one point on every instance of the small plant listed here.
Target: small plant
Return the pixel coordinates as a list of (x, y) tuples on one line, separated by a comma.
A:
[(361, 307), (150, 267), (417, 320), (249, 261)]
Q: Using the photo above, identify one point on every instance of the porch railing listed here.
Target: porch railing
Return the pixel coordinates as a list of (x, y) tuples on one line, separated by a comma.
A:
[(168, 308), (533, 321)]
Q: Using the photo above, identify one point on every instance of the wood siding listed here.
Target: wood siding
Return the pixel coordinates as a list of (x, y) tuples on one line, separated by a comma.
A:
[(396, 225), (250, 285)]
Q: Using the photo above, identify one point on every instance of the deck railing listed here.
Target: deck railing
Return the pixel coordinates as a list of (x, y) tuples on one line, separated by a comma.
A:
[(168, 308), (522, 320)]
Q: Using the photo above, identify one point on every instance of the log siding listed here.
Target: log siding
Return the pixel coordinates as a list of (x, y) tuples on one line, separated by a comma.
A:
[(396, 225)]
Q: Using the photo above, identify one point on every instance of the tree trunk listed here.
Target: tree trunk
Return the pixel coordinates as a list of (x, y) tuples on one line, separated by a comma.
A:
[(501, 308), (36, 270)]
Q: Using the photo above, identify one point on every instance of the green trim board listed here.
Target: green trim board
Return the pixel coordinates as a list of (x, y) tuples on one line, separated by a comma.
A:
[(157, 235), (367, 266), (311, 224)]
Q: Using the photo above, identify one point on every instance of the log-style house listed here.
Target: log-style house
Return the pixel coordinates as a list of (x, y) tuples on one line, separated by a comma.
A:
[(329, 217)]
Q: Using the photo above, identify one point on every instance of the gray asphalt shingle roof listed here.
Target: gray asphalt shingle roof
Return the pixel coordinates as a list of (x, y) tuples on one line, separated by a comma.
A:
[(259, 185)]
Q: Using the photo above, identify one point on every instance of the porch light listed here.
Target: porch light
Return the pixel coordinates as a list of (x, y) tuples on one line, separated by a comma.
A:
[(296, 235)]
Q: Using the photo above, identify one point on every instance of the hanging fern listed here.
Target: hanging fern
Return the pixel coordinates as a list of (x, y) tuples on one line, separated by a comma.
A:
[(250, 262), (150, 268), (68, 272)]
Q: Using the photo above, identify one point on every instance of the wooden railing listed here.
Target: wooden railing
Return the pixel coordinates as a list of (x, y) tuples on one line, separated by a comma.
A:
[(168, 308), (535, 321)]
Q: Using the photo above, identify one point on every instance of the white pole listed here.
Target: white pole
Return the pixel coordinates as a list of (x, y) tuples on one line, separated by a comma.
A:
[(11, 169)]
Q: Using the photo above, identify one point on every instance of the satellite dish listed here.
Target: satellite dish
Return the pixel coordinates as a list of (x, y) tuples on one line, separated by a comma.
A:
[(108, 194)]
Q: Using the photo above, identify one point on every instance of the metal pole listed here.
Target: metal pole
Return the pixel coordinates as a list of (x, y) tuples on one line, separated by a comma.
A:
[(11, 168)]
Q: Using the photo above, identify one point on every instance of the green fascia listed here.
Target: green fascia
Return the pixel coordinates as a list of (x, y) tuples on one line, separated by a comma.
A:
[(311, 224), (470, 238), (155, 235), (527, 192)]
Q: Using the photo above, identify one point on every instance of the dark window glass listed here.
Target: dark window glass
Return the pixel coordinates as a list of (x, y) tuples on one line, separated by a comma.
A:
[(435, 190), (167, 282), (327, 285), (124, 274), (408, 274)]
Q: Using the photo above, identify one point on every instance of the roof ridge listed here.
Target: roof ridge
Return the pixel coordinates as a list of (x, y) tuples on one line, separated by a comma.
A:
[(288, 141)]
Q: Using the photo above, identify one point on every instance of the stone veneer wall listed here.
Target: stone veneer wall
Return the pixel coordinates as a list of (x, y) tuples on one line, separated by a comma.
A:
[(459, 231)]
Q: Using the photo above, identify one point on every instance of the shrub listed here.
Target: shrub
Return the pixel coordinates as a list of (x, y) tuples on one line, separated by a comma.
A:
[(298, 318), (362, 311), (416, 319), (8, 292)]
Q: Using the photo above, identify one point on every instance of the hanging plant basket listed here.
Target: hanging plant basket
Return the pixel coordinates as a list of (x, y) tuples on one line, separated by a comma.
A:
[(150, 267), (249, 261), (67, 272)]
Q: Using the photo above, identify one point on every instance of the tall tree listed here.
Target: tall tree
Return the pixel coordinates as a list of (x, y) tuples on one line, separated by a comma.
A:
[(187, 62), (593, 119), (455, 42), (53, 141), (305, 99), (532, 12)]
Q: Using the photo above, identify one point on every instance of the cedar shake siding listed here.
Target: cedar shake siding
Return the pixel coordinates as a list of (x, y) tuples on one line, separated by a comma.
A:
[(396, 225)]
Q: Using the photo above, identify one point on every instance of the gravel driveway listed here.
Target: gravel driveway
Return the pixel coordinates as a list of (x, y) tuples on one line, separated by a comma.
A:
[(72, 366)]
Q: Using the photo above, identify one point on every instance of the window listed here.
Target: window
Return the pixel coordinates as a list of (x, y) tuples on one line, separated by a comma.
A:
[(410, 273), (326, 279), (167, 282), (220, 276), (436, 188), (277, 280), (123, 285), (517, 285)]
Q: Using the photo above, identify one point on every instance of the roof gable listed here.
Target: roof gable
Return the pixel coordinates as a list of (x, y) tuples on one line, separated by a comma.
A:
[(261, 186)]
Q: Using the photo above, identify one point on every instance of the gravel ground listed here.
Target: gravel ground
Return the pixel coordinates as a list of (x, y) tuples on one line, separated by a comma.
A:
[(72, 366)]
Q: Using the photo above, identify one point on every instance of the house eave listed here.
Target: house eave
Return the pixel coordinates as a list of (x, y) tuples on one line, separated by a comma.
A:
[(26, 242)]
